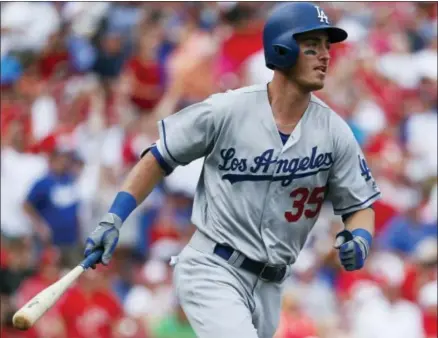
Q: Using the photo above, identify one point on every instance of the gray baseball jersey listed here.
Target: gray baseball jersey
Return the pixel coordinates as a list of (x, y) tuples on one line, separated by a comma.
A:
[(255, 193)]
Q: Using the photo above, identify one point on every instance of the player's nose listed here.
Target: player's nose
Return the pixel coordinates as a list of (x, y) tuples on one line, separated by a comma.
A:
[(324, 55)]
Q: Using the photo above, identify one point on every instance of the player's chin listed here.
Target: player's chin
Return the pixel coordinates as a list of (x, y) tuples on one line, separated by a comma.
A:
[(315, 85)]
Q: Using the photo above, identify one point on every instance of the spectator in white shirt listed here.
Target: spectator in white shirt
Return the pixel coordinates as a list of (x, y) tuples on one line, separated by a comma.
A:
[(18, 172), (380, 312), (152, 297)]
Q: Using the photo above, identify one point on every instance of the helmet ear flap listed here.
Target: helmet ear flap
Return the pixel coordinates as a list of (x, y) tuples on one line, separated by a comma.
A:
[(280, 50), (279, 56), (283, 52), (285, 55)]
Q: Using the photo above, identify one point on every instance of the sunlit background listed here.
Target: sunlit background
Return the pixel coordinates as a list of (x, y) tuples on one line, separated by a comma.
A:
[(82, 86)]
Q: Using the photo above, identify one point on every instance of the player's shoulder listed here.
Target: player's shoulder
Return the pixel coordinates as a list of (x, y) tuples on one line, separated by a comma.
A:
[(242, 92), (317, 102), (236, 102), (254, 89), (323, 109)]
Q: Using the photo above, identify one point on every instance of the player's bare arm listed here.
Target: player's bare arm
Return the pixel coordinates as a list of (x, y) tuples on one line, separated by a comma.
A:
[(362, 219), (354, 243), (139, 183), (142, 179)]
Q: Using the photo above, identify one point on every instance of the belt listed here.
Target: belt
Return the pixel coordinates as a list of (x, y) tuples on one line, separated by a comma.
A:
[(266, 272)]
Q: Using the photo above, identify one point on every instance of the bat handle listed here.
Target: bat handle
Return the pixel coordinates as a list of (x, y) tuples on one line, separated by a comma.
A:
[(92, 259)]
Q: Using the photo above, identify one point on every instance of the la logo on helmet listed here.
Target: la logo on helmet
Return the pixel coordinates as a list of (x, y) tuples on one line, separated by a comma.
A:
[(321, 15)]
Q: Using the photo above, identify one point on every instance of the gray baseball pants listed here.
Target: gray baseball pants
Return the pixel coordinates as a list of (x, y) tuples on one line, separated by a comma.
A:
[(222, 300)]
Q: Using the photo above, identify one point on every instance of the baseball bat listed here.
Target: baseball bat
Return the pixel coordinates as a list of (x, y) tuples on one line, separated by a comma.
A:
[(33, 310)]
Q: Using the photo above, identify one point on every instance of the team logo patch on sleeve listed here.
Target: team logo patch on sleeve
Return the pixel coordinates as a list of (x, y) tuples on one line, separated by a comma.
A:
[(365, 171)]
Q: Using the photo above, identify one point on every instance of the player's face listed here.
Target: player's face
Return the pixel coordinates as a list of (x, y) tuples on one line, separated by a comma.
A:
[(310, 71)]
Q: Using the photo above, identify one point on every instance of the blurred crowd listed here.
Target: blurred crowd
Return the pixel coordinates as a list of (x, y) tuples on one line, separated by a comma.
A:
[(82, 87)]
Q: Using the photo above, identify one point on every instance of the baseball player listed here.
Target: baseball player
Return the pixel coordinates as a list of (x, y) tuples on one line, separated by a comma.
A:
[(273, 154)]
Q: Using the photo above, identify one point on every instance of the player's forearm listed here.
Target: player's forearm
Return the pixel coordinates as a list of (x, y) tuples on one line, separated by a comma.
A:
[(139, 183), (142, 179), (362, 219), (355, 242)]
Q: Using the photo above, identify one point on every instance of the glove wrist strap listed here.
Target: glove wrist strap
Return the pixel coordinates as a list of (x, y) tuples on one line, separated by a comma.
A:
[(123, 205), (112, 219), (365, 237)]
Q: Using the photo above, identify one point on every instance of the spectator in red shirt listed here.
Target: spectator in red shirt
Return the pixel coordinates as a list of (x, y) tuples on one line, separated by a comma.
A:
[(293, 322), (143, 76), (245, 40), (428, 302), (53, 62), (91, 309), (15, 120)]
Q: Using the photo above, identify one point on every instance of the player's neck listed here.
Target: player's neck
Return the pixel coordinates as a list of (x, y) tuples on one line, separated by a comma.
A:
[(287, 101)]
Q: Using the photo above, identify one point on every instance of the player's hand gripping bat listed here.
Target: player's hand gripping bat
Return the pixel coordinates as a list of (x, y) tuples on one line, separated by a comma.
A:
[(33, 310)]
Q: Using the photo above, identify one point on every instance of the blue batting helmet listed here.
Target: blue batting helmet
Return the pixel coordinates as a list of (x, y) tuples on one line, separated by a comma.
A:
[(281, 48)]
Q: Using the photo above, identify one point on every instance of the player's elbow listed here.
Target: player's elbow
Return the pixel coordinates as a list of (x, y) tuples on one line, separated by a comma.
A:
[(151, 163)]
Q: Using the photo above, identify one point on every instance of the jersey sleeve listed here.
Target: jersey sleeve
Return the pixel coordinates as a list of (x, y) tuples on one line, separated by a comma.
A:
[(351, 186), (185, 136)]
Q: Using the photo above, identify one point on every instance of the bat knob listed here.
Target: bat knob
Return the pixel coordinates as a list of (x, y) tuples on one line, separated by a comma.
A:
[(20, 322)]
